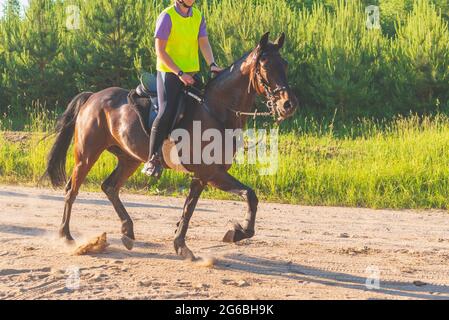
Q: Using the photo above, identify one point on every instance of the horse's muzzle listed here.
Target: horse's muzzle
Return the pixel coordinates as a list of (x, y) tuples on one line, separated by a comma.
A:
[(287, 107)]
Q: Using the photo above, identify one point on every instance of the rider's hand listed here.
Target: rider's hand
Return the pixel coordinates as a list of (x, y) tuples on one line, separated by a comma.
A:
[(187, 79), (216, 69)]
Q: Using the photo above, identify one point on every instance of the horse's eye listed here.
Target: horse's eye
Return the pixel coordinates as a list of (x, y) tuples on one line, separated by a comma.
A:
[(266, 65)]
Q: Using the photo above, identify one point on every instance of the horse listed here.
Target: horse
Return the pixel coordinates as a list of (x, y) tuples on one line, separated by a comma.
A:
[(105, 120)]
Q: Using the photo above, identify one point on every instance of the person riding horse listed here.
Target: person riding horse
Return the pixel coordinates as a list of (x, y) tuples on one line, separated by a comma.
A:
[(107, 121), (180, 31)]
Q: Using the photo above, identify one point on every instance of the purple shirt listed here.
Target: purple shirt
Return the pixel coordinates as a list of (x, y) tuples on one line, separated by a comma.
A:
[(163, 24)]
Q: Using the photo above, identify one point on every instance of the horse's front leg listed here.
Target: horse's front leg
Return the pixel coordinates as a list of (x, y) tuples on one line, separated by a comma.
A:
[(196, 188), (224, 181)]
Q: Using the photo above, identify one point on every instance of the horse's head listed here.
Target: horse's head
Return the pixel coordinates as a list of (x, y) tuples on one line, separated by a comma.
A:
[(268, 73)]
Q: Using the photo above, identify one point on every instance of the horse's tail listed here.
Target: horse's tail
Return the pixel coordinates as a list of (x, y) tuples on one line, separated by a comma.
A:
[(65, 129)]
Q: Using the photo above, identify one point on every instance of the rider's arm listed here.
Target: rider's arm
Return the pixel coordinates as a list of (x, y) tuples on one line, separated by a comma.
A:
[(203, 43), (163, 55), (206, 50)]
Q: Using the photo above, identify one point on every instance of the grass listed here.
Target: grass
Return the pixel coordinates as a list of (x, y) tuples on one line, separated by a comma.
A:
[(400, 163)]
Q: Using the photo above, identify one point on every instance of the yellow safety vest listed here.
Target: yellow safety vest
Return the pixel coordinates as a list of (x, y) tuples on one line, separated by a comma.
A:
[(182, 43)]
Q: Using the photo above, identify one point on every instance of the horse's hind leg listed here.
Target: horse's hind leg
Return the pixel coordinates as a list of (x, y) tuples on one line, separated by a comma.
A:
[(83, 163), (224, 181), (111, 187)]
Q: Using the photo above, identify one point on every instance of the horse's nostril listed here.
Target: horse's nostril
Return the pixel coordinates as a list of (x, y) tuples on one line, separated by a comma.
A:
[(287, 105)]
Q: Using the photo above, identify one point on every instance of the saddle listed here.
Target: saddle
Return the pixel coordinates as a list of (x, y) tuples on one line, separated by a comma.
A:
[(144, 98)]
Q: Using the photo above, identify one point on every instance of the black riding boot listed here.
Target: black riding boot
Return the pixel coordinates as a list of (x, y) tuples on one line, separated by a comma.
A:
[(153, 167)]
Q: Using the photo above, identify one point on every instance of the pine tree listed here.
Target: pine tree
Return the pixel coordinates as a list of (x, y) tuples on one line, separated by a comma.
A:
[(10, 43), (11, 8), (109, 43), (40, 77), (3, 97)]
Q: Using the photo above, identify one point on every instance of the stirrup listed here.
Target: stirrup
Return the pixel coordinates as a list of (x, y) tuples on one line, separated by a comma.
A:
[(153, 167)]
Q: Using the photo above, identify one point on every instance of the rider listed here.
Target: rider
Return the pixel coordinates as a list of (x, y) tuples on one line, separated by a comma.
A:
[(180, 31)]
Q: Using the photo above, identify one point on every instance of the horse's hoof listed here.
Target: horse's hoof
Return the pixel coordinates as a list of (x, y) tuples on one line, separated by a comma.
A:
[(66, 236), (68, 239), (237, 234), (233, 236), (186, 254), (127, 242), (69, 242), (182, 250)]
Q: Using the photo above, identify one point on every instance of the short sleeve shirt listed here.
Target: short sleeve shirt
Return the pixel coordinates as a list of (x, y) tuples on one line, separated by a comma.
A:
[(164, 25)]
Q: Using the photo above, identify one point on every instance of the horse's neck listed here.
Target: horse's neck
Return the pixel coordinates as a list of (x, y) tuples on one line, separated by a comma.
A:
[(231, 91)]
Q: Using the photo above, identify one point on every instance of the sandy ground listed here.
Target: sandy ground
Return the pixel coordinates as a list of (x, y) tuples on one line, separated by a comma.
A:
[(298, 252)]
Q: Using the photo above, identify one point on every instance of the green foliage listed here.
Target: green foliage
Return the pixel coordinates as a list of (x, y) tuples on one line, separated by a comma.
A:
[(336, 63), (9, 45), (339, 60), (419, 60), (109, 43), (38, 60)]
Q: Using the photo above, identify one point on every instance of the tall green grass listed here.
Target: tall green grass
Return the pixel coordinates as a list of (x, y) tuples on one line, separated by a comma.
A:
[(400, 163)]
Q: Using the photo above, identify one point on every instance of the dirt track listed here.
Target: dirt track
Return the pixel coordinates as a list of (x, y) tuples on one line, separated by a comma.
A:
[(298, 252)]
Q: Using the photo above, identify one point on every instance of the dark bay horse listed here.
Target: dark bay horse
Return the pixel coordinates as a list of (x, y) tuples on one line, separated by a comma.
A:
[(105, 121)]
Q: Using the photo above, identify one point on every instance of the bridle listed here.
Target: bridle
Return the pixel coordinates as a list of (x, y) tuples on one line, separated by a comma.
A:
[(271, 96), (256, 80)]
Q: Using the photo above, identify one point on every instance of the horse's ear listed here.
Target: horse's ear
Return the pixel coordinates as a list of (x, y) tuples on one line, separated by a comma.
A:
[(264, 41), (280, 41)]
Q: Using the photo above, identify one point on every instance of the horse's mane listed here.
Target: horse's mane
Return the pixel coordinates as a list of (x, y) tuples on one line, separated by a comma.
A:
[(220, 76)]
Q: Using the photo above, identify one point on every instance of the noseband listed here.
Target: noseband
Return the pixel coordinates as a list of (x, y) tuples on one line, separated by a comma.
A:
[(271, 96)]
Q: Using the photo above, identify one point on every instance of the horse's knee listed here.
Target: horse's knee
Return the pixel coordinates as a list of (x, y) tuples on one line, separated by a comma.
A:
[(68, 186), (107, 188), (70, 196), (104, 188)]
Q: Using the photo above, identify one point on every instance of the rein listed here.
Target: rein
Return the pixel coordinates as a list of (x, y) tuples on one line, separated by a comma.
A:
[(253, 114), (256, 81)]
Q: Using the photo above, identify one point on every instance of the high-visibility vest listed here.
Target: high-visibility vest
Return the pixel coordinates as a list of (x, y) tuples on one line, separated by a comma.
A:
[(182, 43)]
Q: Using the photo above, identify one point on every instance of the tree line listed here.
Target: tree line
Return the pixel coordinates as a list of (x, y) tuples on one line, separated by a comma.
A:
[(337, 63)]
